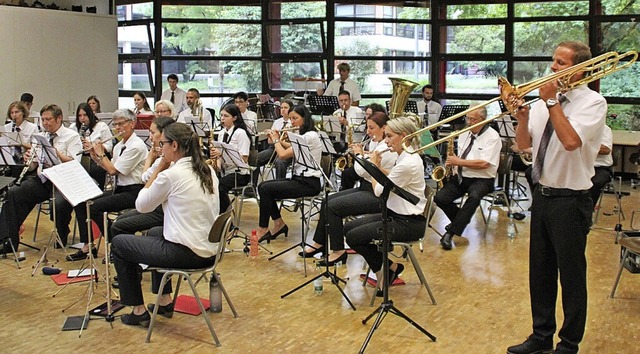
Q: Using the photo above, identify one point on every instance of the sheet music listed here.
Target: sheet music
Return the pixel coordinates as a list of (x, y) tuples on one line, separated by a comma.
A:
[(202, 129), (73, 181), (327, 144), (230, 155), (6, 152), (47, 155), (331, 124), (12, 138), (302, 152), (506, 127)]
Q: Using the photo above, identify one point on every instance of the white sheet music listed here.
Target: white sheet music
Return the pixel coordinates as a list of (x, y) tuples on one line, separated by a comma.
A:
[(47, 155), (230, 155), (5, 150), (327, 144), (73, 181)]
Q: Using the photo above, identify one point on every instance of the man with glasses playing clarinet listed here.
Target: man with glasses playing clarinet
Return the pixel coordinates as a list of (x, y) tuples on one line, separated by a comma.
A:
[(563, 128)]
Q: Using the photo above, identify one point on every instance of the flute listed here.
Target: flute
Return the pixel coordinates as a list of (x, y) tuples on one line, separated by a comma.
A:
[(99, 142)]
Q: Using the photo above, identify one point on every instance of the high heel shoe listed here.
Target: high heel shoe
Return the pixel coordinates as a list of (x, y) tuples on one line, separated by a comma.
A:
[(266, 237), (283, 230), (312, 253), (341, 259)]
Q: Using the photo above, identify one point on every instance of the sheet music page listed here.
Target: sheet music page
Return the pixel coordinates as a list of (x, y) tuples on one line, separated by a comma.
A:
[(230, 155), (5, 150), (10, 138), (47, 155), (327, 144), (73, 181)]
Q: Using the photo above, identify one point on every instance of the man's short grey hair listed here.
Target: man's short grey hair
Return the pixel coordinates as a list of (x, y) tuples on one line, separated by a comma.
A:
[(127, 114)]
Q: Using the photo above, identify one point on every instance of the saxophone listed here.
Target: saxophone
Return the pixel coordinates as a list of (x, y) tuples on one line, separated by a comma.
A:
[(440, 173), (346, 160), (211, 161)]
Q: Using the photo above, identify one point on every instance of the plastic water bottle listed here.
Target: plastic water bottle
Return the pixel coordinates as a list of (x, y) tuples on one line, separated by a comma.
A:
[(215, 296), (511, 228), (317, 286), (253, 244)]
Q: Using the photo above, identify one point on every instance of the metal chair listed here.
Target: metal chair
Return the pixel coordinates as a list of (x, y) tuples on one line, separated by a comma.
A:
[(504, 167), (631, 246), (220, 231)]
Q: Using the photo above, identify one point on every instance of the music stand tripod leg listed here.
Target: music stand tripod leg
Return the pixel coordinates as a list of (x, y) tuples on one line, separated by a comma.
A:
[(54, 237)]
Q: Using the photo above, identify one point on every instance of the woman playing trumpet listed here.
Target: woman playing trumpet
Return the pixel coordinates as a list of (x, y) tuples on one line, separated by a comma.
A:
[(304, 182), (92, 130), (352, 202)]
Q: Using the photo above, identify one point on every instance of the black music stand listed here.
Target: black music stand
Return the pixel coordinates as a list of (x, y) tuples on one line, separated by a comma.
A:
[(450, 110), (335, 279), (410, 106), (323, 105), (201, 129), (387, 304)]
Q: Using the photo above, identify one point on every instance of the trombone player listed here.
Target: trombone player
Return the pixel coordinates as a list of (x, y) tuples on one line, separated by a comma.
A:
[(563, 128), (474, 170)]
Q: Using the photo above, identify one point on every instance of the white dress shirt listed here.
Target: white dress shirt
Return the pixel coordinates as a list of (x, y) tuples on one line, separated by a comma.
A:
[(387, 161), (179, 99), (312, 140), (27, 130), (67, 142), (251, 120), (486, 147), (129, 162), (432, 108), (186, 117), (607, 140), (354, 114), (102, 132), (146, 175), (239, 140), (586, 111), (280, 123), (333, 89), (407, 174), (189, 212)]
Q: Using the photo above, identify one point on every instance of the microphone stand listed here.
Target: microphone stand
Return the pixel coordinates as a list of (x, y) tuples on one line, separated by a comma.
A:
[(335, 280), (387, 305)]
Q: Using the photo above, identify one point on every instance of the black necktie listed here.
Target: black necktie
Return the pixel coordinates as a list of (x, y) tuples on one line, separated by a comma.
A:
[(51, 137), (121, 151), (341, 86), (17, 150), (464, 156), (536, 171), (225, 138), (173, 97)]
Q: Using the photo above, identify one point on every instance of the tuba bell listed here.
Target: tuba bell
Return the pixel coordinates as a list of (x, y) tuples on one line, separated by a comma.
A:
[(402, 89)]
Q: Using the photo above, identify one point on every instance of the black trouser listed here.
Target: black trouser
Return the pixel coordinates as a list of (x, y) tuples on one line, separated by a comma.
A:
[(351, 202), (559, 228), (348, 178), (226, 184), (475, 188), (123, 198), (133, 221), (129, 251), (360, 232), (278, 189), (20, 200), (599, 180)]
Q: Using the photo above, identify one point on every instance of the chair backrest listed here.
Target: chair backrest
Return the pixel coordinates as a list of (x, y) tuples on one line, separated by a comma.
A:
[(325, 164), (253, 158), (504, 167), (430, 207), (220, 227)]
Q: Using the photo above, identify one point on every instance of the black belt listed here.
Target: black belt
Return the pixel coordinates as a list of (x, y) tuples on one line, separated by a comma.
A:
[(393, 214), (560, 192)]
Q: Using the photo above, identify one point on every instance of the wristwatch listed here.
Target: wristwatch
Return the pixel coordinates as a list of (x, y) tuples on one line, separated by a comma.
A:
[(551, 102)]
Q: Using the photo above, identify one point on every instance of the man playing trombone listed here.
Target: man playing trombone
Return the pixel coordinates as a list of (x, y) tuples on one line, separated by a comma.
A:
[(563, 128), (474, 170)]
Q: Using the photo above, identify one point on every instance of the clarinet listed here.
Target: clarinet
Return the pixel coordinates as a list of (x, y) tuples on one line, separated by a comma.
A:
[(26, 166)]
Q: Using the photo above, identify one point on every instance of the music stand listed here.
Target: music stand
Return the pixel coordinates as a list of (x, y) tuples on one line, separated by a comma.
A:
[(323, 105), (331, 124), (202, 129), (387, 304), (410, 106), (450, 110)]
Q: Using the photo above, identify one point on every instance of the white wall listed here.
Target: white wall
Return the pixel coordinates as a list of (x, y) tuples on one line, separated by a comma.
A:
[(60, 57)]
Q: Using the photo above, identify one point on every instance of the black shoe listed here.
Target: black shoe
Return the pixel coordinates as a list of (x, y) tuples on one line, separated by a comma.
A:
[(531, 346), (132, 319), (312, 253), (80, 255), (394, 275), (166, 311), (284, 230), (445, 241), (57, 246), (342, 259), (266, 237)]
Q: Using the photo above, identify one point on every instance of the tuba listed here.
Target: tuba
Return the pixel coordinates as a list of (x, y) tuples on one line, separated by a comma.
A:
[(402, 89)]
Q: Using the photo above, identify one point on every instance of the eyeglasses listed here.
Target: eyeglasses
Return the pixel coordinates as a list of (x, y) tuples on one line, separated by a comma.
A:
[(162, 142), (239, 101), (160, 111)]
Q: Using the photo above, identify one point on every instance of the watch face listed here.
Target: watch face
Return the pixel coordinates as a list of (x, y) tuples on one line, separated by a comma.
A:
[(551, 102)]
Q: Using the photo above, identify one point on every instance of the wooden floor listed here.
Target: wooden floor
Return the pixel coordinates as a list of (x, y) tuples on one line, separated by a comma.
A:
[(481, 289)]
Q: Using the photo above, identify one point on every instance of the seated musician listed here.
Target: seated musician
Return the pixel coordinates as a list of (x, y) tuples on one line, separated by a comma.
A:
[(407, 222), (185, 187), (428, 108), (603, 164), (304, 182), (241, 100), (17, 114), (348, 115), (33, 190), (267, 155), (92, 130), (164, 108), (125, 167), (355, 201), (133, 221), (349, 177), (141, 104), (195, 107), (474, 169), (234, 132)]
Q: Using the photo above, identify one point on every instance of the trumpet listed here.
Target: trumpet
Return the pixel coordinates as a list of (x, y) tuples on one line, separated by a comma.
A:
[(283, 130), (100, 142), (593, 69)]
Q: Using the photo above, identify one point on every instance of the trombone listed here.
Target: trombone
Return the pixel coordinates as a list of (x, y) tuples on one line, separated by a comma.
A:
[(594, 69)]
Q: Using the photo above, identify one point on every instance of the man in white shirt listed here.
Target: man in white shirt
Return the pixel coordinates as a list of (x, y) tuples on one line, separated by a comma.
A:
[(344, 83), (428, 108), (474, 170), (21, 199), (27, 99), (195, 109), (241, 99), (126, 166), (348, 116), (174, 94)]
